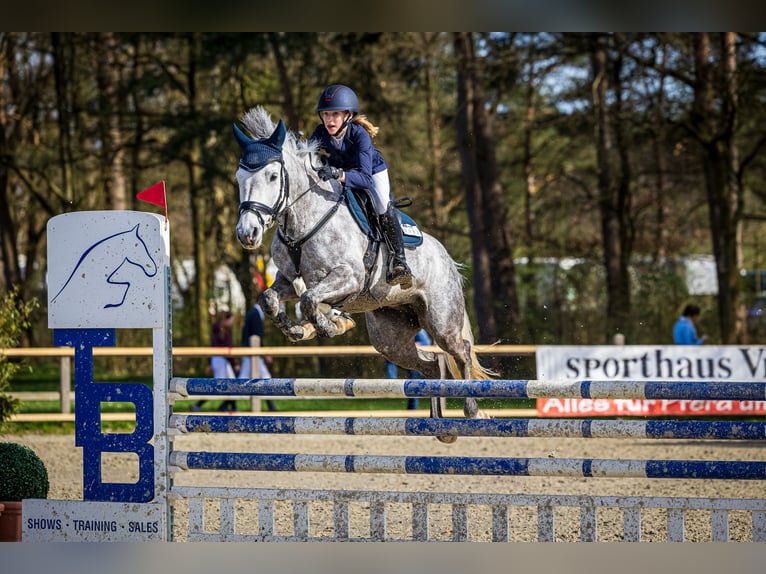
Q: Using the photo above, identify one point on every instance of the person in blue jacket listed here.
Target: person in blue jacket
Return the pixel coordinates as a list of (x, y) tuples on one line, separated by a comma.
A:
[(346, 137), (685, 331)]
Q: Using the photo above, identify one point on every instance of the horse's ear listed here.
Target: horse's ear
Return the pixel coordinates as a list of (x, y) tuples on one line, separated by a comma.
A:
[(240, 136), (278, 137)]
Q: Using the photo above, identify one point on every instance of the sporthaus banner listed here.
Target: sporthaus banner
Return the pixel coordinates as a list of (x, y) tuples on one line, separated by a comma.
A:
[(656, 363)]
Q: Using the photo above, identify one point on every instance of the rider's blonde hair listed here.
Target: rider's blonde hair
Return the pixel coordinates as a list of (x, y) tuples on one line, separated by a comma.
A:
[(367, 125)]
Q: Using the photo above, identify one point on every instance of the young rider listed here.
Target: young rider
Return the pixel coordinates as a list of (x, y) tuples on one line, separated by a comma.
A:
[(347, 136)]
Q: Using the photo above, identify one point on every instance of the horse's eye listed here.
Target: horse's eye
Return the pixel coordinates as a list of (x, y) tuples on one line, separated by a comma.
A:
[(274, 176)]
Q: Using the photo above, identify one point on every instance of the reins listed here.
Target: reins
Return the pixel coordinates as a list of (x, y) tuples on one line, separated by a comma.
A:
[(294, 246), (281, 207)]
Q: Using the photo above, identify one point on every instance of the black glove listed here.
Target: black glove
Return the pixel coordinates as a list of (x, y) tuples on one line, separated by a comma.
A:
[(327, 172)]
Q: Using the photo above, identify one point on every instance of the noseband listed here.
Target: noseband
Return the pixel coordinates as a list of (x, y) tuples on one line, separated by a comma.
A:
[(273, 211), (260, 210)]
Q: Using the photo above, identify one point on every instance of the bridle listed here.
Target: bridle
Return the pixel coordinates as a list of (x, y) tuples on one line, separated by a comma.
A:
[(281, 207), (261, 209)]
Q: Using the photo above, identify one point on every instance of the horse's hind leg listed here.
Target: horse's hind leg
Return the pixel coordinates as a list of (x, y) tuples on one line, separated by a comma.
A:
[(470, 406), (439, 404), (392, 332), (451, 339)]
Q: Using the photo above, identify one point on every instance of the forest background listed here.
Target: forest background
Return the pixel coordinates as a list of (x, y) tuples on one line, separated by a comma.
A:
[(573, 174)]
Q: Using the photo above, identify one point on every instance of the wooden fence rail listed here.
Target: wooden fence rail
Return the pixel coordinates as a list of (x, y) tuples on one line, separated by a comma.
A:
[(66, 354)]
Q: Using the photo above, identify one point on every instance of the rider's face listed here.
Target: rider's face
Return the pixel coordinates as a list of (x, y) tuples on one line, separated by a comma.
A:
[(333, 120)]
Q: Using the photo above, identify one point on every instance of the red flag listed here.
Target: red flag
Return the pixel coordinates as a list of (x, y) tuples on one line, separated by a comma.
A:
[(155, 195)]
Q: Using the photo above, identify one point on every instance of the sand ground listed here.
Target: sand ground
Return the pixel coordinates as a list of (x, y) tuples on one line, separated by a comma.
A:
[(64, 463)]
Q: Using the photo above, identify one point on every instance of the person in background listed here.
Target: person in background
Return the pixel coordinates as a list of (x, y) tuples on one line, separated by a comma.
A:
[(222, 367), (421, 338), (685, 330), (252, 336)]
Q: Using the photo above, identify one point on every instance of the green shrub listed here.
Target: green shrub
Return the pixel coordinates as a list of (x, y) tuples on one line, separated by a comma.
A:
[(14, 318), (22, 473)]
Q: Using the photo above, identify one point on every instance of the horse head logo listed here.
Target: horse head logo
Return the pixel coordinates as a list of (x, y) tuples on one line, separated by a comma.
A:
[(107, 269)]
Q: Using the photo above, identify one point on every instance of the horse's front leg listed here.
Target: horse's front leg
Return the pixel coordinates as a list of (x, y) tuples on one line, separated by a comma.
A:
[(282, 291), (335, 286)]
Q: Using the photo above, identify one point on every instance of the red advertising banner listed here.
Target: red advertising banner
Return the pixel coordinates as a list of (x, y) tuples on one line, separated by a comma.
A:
[(646, 408)]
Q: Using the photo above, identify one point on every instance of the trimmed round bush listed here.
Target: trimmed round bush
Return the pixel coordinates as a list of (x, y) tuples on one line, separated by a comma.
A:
[(22, 473)]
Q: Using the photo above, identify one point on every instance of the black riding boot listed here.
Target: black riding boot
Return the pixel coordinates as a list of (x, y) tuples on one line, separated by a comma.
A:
[(398, 272)]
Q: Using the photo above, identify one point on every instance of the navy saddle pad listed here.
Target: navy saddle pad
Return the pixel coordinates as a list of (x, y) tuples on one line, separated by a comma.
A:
[(412, 234)]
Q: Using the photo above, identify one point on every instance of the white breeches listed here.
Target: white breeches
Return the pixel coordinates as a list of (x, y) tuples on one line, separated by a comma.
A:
[(382, 191)]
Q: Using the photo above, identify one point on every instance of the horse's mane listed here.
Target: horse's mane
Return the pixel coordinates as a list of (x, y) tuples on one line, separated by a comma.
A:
[(259, 123)]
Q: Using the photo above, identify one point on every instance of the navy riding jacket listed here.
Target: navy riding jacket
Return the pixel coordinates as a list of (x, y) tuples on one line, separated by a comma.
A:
[(356, 156)]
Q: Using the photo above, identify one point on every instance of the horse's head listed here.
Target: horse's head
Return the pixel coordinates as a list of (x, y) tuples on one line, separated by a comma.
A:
[(263, 188), (138, 254)]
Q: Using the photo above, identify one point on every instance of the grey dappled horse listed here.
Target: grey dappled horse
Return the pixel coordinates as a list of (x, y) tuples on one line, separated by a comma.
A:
[(318, 249)]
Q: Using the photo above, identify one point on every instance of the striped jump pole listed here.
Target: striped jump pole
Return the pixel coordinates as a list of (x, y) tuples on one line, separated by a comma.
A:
[(469, 466), (462, 388), (512, 428), (464, 465)]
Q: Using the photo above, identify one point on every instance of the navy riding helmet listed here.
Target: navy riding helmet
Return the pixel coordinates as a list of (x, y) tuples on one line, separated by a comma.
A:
[(338, 98)]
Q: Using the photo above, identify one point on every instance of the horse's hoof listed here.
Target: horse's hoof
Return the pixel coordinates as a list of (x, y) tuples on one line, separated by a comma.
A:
[(343, 322), (298, 333), (326, 329), (447, 439), (294, 334), (269, 302), (471, 411)]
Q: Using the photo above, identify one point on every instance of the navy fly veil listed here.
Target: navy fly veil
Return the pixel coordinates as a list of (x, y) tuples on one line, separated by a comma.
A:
[(258, 153)]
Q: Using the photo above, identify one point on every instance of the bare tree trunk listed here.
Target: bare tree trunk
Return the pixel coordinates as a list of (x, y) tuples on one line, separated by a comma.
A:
[(108, 69), (530, 184), (493, 256), (733, 182), (64, 114), (199, 205), (661, 208), (482, 268), (11, 271), (139, 122), (716, 133), (498, 229), (624, 203), (659, 137), (433, 134), (612, 203)]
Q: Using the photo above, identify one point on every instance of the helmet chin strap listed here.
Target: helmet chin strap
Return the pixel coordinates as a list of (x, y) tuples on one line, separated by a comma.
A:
[(350, 118)]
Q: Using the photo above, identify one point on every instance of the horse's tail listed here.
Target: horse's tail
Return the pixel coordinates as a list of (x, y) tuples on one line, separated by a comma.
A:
[(478, 372)]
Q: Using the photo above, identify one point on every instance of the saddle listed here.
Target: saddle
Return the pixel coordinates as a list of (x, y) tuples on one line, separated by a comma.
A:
[(362, 207)]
